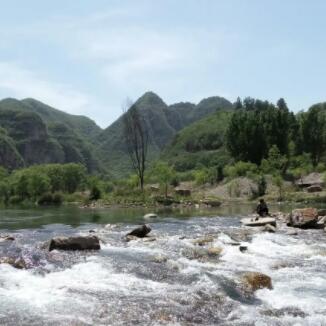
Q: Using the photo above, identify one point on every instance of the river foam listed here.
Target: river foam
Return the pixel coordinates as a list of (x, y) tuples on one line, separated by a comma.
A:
[(168, 281)]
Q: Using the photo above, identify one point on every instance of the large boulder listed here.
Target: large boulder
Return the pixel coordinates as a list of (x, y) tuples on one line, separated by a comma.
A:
[(183, 192), (253, 281), (90, 242), (315, 188), (304, 218), (140, 232), (211, 202), (258, 221)]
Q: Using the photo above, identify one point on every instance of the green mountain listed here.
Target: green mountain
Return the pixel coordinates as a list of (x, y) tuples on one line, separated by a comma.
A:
[(200, 144), (34, 133), (163, 123)]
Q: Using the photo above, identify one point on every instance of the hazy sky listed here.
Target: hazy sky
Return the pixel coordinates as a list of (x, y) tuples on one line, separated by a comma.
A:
[(87, 57)]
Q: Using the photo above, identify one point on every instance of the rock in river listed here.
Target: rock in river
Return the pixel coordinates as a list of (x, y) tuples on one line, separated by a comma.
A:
[(253, 281), (14, 262), (150, 215), (140, 232), (75, 243), (259, 221), (304, 218), (269, 228)]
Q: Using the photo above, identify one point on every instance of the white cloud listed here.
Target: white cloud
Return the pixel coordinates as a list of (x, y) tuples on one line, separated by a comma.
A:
[(20, 82), (126, 56)]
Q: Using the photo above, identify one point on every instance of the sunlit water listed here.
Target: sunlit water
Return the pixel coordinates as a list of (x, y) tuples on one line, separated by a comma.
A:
[(161, 282)]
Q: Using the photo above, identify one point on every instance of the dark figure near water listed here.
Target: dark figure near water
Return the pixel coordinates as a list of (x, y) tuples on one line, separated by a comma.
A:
[(262, 209)]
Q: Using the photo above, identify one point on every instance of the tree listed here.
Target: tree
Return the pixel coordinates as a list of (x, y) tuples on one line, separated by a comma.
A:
[(278, 181), (74, 176), (313, 132), (136, 138), (164, 174)]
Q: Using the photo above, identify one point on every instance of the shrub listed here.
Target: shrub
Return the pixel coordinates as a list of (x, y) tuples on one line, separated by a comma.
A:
[(240, 169), (50, 199), (95, 193)]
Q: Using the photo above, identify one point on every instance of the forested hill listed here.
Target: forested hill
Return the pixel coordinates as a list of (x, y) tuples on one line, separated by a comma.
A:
[(163, 122), (34, 133), (200, 144)]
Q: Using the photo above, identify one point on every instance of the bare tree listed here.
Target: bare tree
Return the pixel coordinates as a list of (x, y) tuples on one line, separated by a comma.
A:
[(136, 139)]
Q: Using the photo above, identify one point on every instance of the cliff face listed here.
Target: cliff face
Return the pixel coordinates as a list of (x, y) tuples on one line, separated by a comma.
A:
[(29, 139)]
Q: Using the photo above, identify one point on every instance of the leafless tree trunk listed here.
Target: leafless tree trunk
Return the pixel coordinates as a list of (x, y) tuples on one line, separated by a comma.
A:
[(136, 138)]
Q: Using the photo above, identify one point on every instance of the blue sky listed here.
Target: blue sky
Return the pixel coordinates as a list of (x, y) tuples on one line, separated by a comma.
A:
[(87, 57)]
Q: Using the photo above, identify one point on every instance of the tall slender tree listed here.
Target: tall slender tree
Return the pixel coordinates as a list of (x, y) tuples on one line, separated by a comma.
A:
[(136, 137)]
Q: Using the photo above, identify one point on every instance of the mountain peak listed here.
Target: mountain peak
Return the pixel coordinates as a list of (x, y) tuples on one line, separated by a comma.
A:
[(215, 101), (150, 99)]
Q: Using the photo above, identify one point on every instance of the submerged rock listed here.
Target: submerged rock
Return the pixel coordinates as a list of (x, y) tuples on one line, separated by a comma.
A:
[(304, 218), (203, 241), (253, 281), (214, 251), (269, 228), (6, 238), (243, 248), (75, 243), (18, 263), (140, 232)]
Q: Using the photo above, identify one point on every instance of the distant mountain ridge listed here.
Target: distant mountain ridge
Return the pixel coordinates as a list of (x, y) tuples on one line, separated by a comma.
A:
[(163, 122), (32, 132), (35, 133)]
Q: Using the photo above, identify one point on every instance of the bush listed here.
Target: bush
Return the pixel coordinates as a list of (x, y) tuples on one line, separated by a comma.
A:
[(50, 199), (45, 199), (15, 200), (57, 198), (95, 193), (240, 169), (201, 177)]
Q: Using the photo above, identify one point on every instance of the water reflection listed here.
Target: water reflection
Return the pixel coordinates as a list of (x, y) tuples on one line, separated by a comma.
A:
[(13, 219)]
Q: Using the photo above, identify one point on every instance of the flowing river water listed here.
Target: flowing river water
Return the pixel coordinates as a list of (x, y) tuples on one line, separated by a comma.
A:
[(167, 281)]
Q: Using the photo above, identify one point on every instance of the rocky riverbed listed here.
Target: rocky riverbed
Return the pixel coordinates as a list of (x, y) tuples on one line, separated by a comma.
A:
[(185, 272)]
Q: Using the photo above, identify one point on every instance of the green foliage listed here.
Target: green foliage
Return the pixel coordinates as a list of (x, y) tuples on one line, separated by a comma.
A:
[(33, 133), (163, 122), (256, 127), (275, 163), (234, 188), (164, 174), (262, 186), (50, 199), (95, 193), (74, 176), (38, 182), (201, 176), (240, 169), (278, 181), (313, 132)]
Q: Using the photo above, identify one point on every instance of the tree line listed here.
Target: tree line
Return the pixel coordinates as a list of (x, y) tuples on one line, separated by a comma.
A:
[(256, 126), (44, 183)]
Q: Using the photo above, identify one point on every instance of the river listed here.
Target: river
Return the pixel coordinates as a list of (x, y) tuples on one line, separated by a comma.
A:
[(168, 281)]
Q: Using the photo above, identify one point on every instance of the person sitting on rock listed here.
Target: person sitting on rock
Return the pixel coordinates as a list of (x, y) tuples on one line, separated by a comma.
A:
[(262, 209)]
